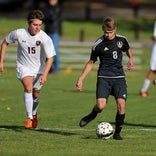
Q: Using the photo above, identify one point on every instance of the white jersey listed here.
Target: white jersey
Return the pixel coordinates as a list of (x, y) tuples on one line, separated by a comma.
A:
[(32, 50), (153, 52)]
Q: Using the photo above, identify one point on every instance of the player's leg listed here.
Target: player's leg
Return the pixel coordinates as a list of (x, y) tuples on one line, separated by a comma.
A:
[(119, 119), (101, 104), (36, 99), (25, 76), (146, 84), (101, 93), (28, 99), (120, 94), (150, 74), (55, 38)]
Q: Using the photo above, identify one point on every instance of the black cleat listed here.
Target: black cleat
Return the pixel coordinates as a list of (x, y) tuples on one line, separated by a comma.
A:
[(117, 136), (85, 120)]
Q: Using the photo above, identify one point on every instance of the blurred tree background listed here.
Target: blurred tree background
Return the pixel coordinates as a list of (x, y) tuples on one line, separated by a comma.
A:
[(132, 15)]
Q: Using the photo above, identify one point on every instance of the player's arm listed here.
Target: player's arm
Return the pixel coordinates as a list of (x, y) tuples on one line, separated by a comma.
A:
[(88, 67), (154, 38), (130, 64), (49, 63), (4, 46)]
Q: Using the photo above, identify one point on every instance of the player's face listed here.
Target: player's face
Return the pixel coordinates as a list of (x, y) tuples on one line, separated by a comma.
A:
[(35, 26), (53, 2), (109, 34)]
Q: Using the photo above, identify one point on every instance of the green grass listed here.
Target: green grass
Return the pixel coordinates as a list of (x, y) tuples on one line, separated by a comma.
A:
[(62, 107), (59, 113)]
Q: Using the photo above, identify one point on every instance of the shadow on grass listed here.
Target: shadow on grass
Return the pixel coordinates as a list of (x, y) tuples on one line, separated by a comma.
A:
[(44, 130), (12, 127), (140, 125), (90, 137), (59, 132), (65, 133), (136, 125)]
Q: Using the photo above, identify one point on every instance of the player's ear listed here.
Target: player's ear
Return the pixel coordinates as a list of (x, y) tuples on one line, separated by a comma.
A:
[(29, 22)]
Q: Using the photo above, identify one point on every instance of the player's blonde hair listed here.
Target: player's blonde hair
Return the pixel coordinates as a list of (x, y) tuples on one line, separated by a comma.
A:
[(35, 14), (109, 24)]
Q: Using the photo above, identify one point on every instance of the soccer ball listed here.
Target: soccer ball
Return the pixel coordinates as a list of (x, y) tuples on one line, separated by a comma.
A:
[(104, 130)]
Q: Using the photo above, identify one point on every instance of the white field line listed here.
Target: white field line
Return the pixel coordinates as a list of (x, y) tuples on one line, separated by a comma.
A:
[(81, 129)]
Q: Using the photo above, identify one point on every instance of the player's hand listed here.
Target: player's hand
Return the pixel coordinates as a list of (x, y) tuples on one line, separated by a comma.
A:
[(154, 38), (130, 65), (43, 80), (1, 68), (79, 85)]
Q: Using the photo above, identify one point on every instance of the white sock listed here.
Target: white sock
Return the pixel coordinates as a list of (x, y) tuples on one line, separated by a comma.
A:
[(145, 85), (35, 105), (28, 101)]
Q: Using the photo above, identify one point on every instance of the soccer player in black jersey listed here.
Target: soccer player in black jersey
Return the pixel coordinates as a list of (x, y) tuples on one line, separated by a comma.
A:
[(110, 76)]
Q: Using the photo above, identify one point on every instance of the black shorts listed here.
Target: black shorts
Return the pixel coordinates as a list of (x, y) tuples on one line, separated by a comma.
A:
[(111, 86)]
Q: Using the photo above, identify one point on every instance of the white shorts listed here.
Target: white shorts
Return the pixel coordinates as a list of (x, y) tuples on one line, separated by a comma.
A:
[(24, 71), (153, 57)]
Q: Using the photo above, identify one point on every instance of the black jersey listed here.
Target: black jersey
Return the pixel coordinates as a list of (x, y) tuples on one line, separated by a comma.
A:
[(52, 19), (110, 54)]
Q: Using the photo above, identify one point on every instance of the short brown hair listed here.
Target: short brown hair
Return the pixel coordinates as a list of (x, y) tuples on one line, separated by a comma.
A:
[(109, 24), (35, 14)]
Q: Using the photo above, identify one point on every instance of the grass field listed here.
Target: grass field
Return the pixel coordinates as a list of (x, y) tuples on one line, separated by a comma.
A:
[(59, 113), (61, 108)]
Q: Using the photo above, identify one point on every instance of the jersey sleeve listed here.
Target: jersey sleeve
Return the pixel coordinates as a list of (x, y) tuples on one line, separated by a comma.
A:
[(12, 37), (48, 48), (94, 51), (93, 55), (126, 45)]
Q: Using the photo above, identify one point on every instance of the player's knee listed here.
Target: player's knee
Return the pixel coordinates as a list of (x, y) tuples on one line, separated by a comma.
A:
[(36, 93), (121, 108), (101, 104), (28, 90), (100, 107)]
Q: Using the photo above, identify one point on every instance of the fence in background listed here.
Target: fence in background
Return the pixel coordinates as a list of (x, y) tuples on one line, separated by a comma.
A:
[(74, 55)]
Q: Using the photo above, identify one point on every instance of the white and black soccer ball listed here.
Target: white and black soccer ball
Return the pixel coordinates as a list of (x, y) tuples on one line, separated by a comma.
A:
[(104, 130)]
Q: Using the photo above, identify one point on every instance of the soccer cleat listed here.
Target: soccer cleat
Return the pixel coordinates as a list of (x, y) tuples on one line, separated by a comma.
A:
[(85, 120), (35, 121), (28, 123), (144, 94), (117, 136)]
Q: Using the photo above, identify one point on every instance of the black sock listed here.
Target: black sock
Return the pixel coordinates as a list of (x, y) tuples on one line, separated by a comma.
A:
[(119, 122), (94, 113)]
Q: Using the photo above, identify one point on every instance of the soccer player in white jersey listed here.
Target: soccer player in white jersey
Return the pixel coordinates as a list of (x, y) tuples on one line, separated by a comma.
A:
[(35, 54), (152, 70)]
